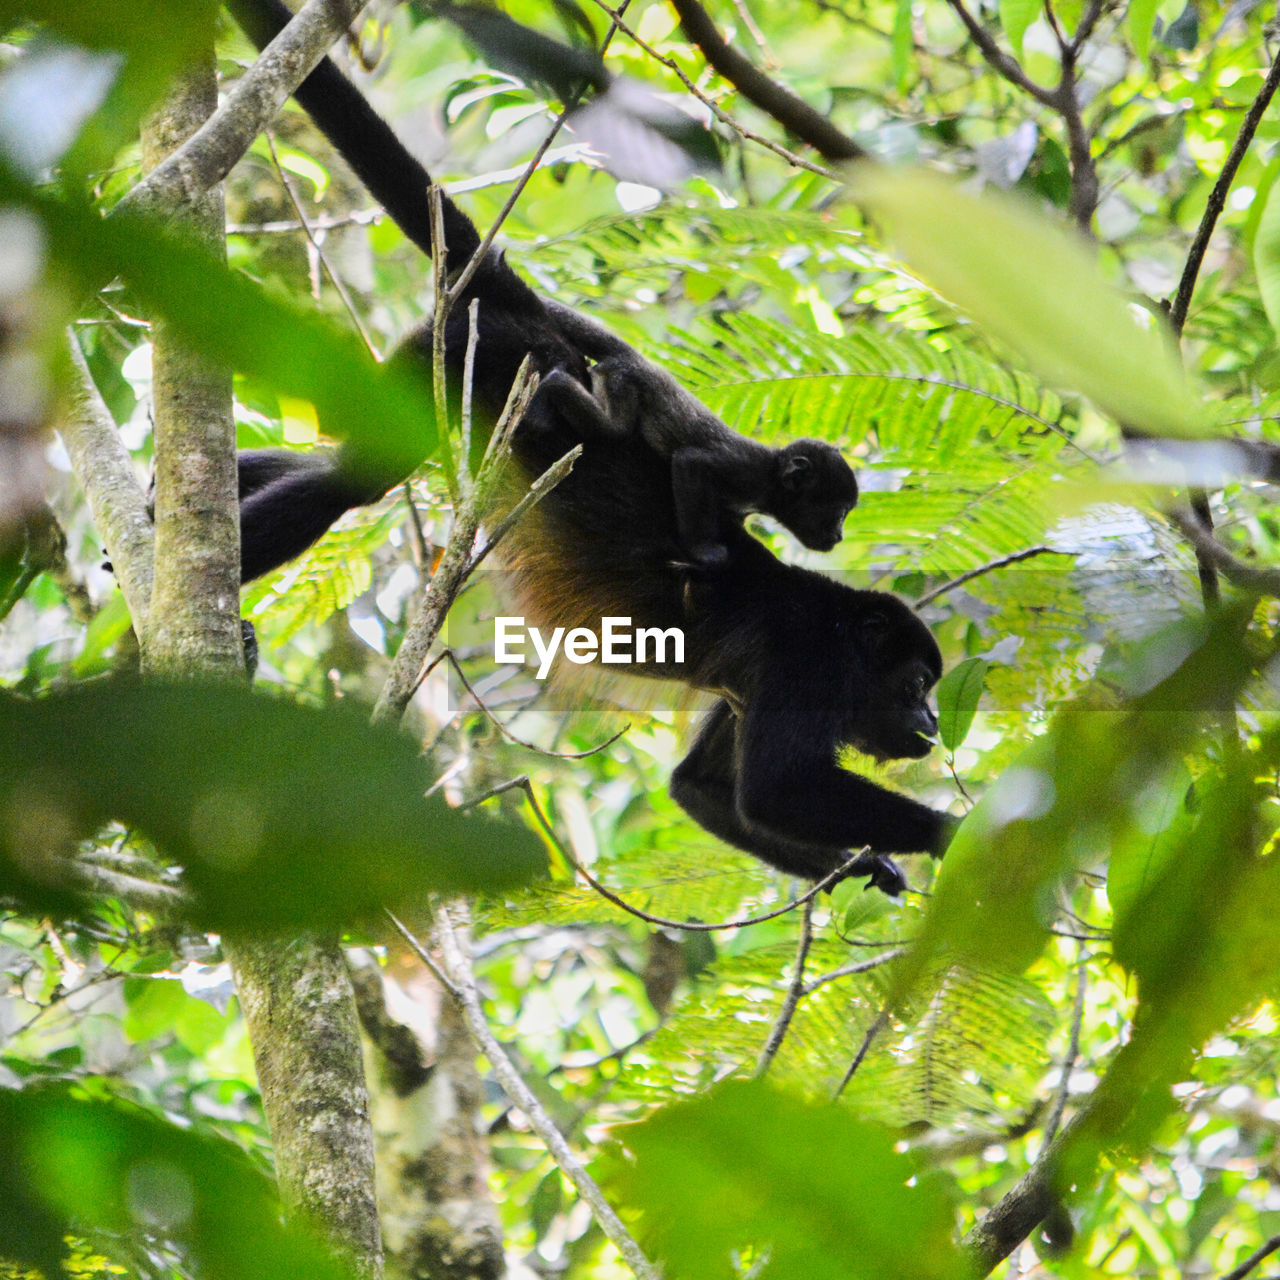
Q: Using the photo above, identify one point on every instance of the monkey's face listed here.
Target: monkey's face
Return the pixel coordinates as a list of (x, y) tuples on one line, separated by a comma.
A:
[(820, 523), (816, 490), (902, 664)]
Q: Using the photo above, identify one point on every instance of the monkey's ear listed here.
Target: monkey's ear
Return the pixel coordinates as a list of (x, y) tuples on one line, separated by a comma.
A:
[(795, 472)]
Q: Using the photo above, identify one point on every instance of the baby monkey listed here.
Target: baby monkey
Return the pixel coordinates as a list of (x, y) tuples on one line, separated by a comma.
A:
[(716, 473)]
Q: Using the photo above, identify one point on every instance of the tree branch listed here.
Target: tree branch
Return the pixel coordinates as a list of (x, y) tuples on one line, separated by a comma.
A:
[(1264, 582), (1000, 61), (793, 113), (211, 152), (461, 983), (161, 900), (1261, 1255), (795, 991), (116, 502), (1218, 198), (714, 107), (1001, 562), (1021, 1209)]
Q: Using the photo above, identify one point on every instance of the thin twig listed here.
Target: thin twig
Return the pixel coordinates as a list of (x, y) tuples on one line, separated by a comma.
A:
[(1073, 1049), (325, 222), (850, 970), (686, 926), (1086, 25), (537, 491), (486, 243), (468, 375), (748, 21), (459, 560), (882, 1021), (425, 956), (343, 295), (439, 327), (1002, 562), (421, 546), (521, 393), (458, 966), (1218, 198), (794, 992), (452, 659)]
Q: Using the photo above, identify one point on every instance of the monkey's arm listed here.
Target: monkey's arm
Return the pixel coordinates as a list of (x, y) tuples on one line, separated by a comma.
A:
[(790, 784), (704, 785)]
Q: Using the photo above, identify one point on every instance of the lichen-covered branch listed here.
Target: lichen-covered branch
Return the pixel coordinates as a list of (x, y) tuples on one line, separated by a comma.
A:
[(105, 471), (208, 154), (298, 1004), (296, 996)]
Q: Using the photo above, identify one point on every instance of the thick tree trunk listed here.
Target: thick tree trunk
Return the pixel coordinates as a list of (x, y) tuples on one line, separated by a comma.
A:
[(301, 1014), (193, 626), (296, 997), (438, 1214)]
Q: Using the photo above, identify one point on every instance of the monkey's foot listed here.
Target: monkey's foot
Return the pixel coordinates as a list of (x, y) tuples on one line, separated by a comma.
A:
[(882, 873)]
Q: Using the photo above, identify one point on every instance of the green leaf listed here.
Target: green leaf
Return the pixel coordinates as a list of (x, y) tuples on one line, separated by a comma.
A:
[(958, 694), (66, 1162), (1015, 17), (386, 411), (1140, 19), (738, 1170), (154, 48), (1069, 794), (1038, 288), (153, 1007), (1266, 256), (903, 44), (283, 816)]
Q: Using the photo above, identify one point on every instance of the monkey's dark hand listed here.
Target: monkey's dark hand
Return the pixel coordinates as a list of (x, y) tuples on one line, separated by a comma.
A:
[(882, 873)]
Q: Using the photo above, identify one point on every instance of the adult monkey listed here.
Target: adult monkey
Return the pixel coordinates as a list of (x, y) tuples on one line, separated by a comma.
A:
[(802, 665)]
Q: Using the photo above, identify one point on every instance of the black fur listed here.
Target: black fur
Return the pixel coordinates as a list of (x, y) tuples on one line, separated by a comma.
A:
[(801, 665), (717, 474)]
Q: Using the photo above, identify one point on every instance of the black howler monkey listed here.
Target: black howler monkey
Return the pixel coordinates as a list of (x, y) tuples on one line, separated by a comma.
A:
[(801, 664), (715, 471)]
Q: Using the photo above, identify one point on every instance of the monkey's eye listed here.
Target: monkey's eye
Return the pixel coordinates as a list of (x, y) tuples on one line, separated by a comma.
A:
[(915, 690)]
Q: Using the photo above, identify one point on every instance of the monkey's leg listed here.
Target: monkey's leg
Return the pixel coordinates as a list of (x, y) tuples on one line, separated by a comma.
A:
[(703, 484), (289, 501), (563, 403)]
